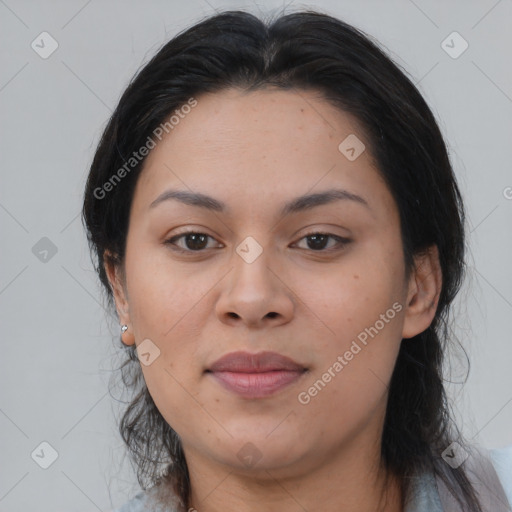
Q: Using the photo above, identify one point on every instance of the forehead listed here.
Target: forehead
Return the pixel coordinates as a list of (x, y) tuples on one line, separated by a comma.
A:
[(235, 122), (245, 146)]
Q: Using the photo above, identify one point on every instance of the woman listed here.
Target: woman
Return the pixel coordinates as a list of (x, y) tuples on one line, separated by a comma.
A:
[(274, 216)]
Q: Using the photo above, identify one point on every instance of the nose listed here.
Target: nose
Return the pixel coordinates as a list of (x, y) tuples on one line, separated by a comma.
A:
[(255, 294)]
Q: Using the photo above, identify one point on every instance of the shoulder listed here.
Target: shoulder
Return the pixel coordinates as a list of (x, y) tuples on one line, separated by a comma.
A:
[(486, 470), (135, 504), (501, 459), (152, 500)]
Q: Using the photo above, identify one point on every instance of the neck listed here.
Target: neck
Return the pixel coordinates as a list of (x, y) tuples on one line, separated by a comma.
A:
[(351, 479)]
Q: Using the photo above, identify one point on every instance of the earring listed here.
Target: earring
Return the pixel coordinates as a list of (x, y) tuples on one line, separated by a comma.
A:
[(127, 337)]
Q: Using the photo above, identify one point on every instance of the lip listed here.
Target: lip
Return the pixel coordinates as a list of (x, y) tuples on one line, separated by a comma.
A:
[(245, 362), (255, 375)]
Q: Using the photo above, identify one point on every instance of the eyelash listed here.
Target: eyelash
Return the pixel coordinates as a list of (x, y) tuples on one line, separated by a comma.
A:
[(341, 241)]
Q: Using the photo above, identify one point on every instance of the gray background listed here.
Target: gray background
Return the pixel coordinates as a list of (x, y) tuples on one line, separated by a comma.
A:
[(57, 344)]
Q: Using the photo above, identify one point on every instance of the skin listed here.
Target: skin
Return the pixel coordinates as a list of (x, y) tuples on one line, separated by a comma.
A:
[(255, 151)]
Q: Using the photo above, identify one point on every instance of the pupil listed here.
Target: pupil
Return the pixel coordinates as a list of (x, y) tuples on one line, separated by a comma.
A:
[(316, 239), (195, 245), (196, 241)]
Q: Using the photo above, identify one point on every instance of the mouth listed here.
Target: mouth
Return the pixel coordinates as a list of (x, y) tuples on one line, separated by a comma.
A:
[(255, 375)]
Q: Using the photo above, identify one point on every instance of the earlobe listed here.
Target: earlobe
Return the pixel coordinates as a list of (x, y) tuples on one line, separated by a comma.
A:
[(425, 285), (116, 281), (127, 336)]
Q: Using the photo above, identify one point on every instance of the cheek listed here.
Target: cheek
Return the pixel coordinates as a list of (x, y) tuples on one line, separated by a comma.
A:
[(159, 294), (171, 395), (165, 311), (351, 376), (162, 311), (353, 297), (359, 315)]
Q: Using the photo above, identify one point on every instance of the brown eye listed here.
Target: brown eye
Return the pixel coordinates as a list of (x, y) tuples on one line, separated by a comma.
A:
[(192, 241), (319, 241)]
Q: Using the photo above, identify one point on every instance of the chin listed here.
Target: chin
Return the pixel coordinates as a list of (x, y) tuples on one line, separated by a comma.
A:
[(252, 454)]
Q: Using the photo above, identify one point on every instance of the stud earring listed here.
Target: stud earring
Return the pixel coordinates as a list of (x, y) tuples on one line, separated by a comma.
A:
[(127, 338)]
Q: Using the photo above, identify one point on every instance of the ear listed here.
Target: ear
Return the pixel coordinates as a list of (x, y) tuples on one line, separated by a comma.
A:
[(423, 292), (116, 280)]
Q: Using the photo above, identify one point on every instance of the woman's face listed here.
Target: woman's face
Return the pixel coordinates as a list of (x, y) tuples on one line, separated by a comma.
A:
[(260, 280)]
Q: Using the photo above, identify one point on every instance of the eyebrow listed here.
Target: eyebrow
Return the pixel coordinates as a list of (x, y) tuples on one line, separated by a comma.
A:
[(301, 203)]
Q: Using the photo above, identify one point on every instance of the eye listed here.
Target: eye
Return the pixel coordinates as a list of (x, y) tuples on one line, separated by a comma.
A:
[(317, 242), (193, 241)]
